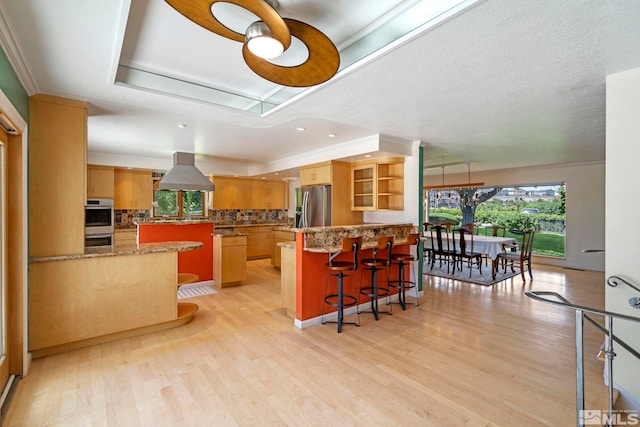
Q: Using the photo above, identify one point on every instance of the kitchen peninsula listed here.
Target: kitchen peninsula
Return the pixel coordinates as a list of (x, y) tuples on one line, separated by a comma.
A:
[(303, 263), (104, 294)]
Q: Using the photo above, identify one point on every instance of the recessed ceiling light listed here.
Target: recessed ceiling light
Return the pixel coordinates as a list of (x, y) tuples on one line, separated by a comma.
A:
[(277, 173), (332, 135), (264, 177), (300, 129), (182, 125), (367, 155)]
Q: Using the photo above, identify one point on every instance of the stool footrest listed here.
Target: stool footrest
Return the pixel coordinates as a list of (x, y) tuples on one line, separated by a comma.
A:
[(369, 292), (347, 300)]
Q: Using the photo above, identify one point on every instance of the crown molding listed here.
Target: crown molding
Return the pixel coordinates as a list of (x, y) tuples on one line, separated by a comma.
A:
[(15, 57)]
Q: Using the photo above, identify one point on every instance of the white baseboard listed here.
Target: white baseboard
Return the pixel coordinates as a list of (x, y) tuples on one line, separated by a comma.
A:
[(198, 284), (302, 324)]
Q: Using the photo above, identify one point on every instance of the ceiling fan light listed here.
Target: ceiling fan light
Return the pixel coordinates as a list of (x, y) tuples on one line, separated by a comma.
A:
[(260, 42)]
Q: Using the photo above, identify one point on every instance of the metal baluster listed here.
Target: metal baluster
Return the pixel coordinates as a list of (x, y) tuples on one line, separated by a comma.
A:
[(579, 365), (610, 354)]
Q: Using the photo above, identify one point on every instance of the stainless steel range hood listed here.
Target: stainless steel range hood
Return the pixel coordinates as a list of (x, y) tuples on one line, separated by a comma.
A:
[(184, 175)]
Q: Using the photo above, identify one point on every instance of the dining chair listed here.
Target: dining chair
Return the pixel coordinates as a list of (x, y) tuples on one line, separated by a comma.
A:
[(469, 227), (522, 257), (496, 231), (441, 249), (463, 250), (448, 224), (426, 252)]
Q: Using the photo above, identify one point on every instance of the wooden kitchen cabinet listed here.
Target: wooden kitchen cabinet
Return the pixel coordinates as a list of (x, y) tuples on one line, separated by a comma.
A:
[(230, 260), (378, 184), (339, 174), (231, 193), (267, 194), (100, 182), (316, 174), (248, 193), (363, 183), (126, 237), (57, 175), (259, 241), (133, 189), (276, 253)]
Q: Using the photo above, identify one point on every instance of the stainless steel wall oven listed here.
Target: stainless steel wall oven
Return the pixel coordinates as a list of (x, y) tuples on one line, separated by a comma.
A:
[(99, 222)]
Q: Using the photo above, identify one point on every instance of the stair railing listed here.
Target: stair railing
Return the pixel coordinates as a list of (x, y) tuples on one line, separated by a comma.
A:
[(607, 330)]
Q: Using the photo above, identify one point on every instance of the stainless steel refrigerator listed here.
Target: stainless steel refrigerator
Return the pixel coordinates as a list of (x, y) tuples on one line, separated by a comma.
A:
[(316, 205)]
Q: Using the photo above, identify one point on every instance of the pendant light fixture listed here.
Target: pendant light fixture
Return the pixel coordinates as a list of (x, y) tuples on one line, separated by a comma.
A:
[(467, 184), (260, 41), (268, 38)]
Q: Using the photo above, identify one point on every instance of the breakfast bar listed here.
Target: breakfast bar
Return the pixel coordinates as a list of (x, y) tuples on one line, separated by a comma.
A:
[(104, 294), (303, 264)]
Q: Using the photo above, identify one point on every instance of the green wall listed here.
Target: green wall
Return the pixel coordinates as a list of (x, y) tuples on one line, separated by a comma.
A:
[(10, 85)]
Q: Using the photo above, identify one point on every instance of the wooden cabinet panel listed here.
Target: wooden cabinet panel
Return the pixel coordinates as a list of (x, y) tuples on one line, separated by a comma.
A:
[(133, 189), (246, 193), (125, 237), (231, 193), (100, 182), (276, 253), (142, 189), (230, 260), (316, 174), (259, 194), (259, 241), (57, 175), (223, 194), (277, 193)]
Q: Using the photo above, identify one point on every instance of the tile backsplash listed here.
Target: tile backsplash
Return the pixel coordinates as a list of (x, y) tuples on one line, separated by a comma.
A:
[(231, 215), (130, 216)]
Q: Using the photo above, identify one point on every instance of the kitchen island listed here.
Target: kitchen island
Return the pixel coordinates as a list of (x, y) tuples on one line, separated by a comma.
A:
[(104, 294), (304, 271)]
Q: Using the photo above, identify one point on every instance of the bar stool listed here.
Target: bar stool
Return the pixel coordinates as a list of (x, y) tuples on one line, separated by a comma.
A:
[(402, 260), (375, 264), (340, 299)]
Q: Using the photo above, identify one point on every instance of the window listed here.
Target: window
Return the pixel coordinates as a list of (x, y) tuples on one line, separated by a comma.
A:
[(178, 203), (541, 207)]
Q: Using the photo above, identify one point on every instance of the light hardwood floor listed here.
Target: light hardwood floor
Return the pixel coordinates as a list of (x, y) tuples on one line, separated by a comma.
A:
[(468, 355)]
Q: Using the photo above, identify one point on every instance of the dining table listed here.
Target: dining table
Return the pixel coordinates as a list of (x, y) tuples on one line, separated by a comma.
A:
[(488, 246)]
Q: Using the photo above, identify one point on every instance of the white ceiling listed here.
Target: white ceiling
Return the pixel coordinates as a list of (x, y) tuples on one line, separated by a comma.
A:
[(503, 83)]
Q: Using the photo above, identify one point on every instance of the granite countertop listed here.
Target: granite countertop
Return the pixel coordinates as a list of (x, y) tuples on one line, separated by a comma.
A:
[(226, 232), (365, 245), (118, 250), (177, 221), (125, 227), (249, 224)]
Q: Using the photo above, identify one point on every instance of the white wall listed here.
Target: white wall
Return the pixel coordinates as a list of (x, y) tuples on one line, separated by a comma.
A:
[(411, 194), (623, 213), (585, 198)]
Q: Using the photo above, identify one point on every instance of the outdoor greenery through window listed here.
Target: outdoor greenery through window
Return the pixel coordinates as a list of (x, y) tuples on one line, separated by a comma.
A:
[(540, 207), (178, 203)]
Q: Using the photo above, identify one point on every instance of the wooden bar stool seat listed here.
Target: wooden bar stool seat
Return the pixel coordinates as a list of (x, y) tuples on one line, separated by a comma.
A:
[(186, 278)]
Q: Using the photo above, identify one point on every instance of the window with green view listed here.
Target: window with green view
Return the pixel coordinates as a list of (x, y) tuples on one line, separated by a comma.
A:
[(178, 203)]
